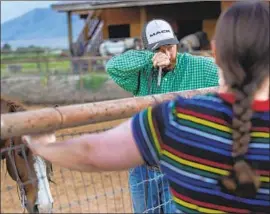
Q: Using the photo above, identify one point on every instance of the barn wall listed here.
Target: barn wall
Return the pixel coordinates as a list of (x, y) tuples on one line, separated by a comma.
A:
[(137, 16), (209, 27), (185, 11), (117, 16)]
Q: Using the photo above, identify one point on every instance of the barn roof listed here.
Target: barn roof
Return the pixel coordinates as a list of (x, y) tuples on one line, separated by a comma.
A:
[(64, 6)]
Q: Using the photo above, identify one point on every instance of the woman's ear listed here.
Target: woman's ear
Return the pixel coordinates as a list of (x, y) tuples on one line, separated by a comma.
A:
[(213, 48), (220, 72)]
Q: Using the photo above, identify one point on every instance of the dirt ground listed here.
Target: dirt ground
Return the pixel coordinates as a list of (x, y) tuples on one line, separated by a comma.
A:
[(76, 192), (59, 91)]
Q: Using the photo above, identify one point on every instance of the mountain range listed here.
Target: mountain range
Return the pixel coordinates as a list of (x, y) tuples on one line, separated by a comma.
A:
[(40, 27)]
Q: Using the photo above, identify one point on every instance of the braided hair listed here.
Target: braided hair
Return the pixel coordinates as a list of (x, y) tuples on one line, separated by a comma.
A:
[(242, 52)]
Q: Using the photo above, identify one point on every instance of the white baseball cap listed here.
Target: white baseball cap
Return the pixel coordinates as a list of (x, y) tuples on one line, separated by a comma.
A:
[(157, 33)]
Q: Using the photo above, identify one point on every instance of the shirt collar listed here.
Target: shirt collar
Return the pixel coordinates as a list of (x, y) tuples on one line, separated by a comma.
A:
[(257, 105)]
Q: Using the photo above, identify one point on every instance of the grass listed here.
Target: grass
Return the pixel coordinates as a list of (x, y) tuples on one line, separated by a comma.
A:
[(52, 65), (41, 68), (16, 56), (32, 68)]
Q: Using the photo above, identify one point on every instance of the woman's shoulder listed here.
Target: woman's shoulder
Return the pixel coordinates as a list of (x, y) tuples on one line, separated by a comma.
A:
[(204, 98), (218, 102)]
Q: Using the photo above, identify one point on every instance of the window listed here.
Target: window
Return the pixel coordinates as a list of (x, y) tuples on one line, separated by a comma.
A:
[(119, 31), (188, 27)]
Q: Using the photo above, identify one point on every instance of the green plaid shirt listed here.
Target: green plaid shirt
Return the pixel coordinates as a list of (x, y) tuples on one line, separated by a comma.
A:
[(134, 72)]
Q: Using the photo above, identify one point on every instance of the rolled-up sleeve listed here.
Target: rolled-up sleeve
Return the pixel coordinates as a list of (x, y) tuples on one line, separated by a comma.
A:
[(148, 129)]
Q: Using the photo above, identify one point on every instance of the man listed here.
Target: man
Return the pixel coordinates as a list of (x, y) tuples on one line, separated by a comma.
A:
[(139, 73)]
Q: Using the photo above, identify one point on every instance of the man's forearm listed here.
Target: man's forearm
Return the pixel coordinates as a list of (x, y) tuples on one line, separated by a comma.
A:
[(125, 68), (129, 62)]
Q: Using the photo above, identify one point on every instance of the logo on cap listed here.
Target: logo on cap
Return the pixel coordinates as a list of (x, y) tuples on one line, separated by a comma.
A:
[(159, 32)]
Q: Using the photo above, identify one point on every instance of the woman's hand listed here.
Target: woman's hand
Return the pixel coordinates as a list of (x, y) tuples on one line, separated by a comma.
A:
[(36, 142)]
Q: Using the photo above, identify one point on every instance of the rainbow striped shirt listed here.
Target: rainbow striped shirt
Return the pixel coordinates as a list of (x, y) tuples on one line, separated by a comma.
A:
[(190, 139)]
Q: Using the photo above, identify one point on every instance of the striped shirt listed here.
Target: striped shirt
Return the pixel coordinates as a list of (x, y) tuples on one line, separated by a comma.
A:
[(134, 72), (191, 141)]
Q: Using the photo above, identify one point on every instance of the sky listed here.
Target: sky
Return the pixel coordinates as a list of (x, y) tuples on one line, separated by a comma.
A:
[(13, 9)]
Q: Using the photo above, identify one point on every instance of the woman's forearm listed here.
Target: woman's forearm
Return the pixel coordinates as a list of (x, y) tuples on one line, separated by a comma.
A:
[(111, 150), (73, 153)]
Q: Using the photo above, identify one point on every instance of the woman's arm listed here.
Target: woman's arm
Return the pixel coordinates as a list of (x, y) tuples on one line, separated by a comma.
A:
[(112, 150)]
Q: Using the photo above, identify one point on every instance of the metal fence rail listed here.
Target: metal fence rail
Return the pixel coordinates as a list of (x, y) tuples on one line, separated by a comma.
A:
[(51, 119)]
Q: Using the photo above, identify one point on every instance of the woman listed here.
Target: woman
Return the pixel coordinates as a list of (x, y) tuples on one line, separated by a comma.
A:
[(214, 149)]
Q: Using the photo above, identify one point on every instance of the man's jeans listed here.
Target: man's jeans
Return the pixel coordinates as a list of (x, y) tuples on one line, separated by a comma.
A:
[(150, 191)]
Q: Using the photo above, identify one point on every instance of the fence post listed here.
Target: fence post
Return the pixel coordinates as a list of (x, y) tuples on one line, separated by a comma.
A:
[(90, 67), (38, 61), (47, 65), (81, 80)]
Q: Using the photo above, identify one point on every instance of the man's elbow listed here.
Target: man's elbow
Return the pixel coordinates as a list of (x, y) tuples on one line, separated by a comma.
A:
[(109, 67)]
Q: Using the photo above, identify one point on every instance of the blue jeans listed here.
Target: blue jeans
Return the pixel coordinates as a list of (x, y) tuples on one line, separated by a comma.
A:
[(150, 191)]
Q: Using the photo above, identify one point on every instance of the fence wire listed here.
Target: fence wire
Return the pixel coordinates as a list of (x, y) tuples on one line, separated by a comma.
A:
[(77, 192)]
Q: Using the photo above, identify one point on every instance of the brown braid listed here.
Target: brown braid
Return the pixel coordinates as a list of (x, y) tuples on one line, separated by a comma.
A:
[(243, 55), (243, 180)]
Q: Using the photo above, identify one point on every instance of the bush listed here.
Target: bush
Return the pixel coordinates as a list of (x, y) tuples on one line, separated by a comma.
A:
[(91, 81)]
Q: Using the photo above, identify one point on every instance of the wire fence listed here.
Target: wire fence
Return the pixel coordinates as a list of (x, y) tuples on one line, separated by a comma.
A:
[(73, 191), (55, 63), (51, 65)]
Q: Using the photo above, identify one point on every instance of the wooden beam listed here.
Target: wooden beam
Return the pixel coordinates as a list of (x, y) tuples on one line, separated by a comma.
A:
[(64, 7), (226, 4), (52, 119), (143, 17), (70, 36)]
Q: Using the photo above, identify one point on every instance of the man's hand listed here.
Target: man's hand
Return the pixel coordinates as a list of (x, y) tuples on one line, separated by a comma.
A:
[(161, 60)]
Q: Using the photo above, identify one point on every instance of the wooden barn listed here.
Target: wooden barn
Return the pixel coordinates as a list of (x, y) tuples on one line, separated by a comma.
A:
[(112, 19)]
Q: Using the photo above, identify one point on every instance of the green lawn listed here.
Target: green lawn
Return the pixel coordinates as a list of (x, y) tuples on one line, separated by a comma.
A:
[(63, 66), (34, 67), (14, 56), (17, 58)]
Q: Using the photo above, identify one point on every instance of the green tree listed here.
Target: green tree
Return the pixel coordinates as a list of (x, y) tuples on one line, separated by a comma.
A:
[(6, 47)]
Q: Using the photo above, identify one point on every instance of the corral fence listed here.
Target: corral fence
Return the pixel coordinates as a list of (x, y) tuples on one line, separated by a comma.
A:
[(70, 65), (51, 77), (55, 62), (105, 192), (25, 63)]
